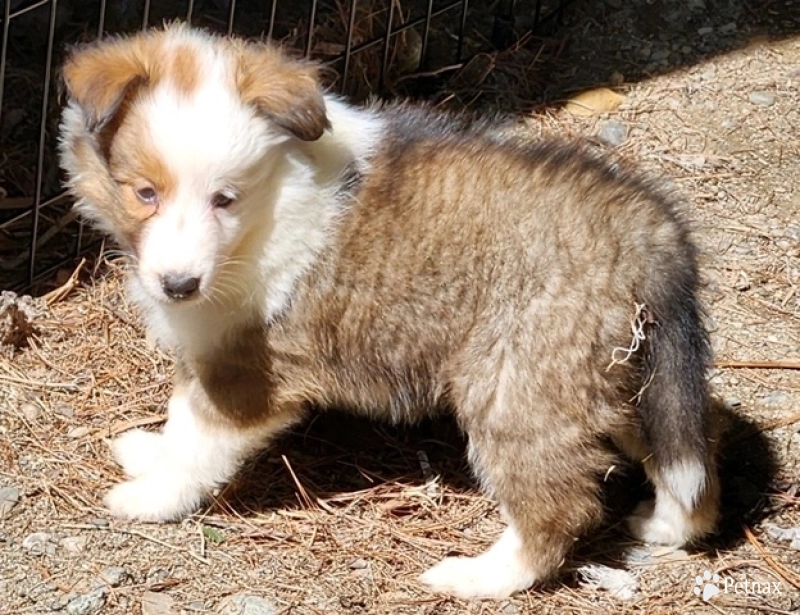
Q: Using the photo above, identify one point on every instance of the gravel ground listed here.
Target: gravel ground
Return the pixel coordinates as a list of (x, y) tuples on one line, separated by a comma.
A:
[(342, 515)]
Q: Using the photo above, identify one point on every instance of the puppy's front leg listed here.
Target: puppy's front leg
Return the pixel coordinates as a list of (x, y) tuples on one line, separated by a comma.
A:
[(198, 450)]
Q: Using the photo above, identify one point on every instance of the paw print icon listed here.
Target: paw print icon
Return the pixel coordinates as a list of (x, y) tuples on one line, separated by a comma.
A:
[(706, 585)]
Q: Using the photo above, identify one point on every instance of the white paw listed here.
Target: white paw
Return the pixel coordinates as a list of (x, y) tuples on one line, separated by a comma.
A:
[(476, 577), (139, 452), (163, 496), (650, 523)]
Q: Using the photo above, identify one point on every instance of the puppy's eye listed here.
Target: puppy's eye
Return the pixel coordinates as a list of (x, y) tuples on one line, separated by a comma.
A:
[(147, 195), (221, 200)]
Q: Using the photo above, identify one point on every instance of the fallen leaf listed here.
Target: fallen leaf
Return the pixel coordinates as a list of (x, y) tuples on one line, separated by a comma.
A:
[(594, 102), (213, 535)]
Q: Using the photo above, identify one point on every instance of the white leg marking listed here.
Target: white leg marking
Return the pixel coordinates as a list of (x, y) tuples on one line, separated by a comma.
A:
[(498, 573), (139, 452), (671, 519), (686, 480), (176, 470)]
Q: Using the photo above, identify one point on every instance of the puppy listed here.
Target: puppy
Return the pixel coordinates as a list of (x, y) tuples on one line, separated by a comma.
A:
[(296, 252)]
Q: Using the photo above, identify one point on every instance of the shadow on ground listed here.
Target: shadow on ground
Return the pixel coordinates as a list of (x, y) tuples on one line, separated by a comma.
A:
[(338, 453)]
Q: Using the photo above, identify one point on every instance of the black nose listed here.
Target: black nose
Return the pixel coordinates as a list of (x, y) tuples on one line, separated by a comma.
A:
[(179, 285)]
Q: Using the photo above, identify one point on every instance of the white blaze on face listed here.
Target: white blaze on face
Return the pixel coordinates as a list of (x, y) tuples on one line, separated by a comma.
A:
[(209, 143)]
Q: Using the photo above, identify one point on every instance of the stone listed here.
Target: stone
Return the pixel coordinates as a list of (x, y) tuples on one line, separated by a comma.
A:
[(613, 133), (154, 603), (30, 411), (37, 542), (9, 498), (762, 99), (114, 576), (776, 398), (782, 534), (87, 604), (64, 410), (357, 563), (705, 31), (74, 544), (78, 432), (247, 604)]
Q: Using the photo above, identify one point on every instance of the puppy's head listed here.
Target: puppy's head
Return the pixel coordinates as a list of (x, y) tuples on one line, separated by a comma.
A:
[(169, 139)]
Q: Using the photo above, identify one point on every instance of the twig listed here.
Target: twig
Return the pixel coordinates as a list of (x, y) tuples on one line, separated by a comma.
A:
[(66, 288), (121, 426), (34, 384), (307, 500), (766, 427), (138, 534), (774, 364), (787, 575)]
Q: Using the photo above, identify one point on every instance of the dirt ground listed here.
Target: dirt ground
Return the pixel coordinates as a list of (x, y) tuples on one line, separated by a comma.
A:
[(342, 515)]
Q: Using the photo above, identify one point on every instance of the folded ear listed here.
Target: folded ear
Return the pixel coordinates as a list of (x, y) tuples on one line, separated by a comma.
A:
[(284, 90), (99, 77)]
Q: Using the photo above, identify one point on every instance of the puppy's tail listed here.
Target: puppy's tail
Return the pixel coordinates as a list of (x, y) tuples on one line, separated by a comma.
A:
[(674, 399)]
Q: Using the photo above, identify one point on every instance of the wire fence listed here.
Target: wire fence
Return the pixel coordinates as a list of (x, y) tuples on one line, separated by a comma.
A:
[(371, 47)]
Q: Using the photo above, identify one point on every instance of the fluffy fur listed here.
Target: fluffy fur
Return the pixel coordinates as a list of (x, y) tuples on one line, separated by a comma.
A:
[(395, 262)]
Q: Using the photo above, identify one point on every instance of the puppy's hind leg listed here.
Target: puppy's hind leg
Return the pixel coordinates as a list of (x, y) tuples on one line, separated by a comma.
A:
[(176, 470), (685, 507), (538, 460)]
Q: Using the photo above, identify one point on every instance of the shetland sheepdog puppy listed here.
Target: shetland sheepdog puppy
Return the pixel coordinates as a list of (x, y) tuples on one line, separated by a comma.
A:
[(295, 253)]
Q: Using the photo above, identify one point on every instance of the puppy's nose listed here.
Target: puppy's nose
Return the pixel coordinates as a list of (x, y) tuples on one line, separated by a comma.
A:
[(179, 285)]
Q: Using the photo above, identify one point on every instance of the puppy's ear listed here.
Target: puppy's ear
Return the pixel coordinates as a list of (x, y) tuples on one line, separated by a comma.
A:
[(284, 90), (100, 76)]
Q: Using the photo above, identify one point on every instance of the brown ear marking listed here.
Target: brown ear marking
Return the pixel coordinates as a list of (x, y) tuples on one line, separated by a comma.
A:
[(284, 90), (100, 76)]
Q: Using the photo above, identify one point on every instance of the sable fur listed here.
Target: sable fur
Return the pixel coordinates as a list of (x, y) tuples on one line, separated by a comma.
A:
[(441, 266)]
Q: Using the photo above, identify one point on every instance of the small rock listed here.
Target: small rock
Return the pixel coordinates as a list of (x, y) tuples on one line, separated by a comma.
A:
[(157, 575), (357, 564), (74, 544), (31, 412), (37, 542), (9, 498), (796, 542), (88, 603), (762, 99), (510, 609), (245, 604), (728, 28), (157, 604), (613, 133), (198, 606), (64, 410), (78, 432), (781, 534), (776, 398), (99, 522), (114, 576), (705, 31), (616, 79), (659, 54)]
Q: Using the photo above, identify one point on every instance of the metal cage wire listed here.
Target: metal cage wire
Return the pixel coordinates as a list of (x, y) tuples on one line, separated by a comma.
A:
[(27, 211)]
